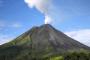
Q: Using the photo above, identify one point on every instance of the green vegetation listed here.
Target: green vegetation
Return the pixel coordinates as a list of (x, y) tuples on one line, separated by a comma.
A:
[(21, 49), (18, 49), (26, 54), (82, 55), (56, 58)]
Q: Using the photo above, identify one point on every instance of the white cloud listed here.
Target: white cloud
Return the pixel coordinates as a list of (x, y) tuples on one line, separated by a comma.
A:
[(4, 24), (82, 36), (16, 25), (5, 38)]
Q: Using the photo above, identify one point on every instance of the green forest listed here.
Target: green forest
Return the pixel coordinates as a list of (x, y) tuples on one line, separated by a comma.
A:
[(83, 55)]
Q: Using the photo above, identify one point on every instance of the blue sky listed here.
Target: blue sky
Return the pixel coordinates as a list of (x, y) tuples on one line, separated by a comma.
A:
[(16, 17)]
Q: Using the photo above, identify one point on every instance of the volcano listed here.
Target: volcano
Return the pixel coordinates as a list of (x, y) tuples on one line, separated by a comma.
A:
[(40, 41)]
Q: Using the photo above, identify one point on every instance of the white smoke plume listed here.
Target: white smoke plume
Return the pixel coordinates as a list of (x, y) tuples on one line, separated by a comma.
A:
[(44, 6), (56, 11), (48, 19)]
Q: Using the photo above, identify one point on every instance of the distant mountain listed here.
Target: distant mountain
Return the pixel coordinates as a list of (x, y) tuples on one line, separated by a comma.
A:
[(39, 42)]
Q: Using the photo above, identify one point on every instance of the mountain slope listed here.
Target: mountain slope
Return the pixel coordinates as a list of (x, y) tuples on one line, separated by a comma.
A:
[(39, 42)]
